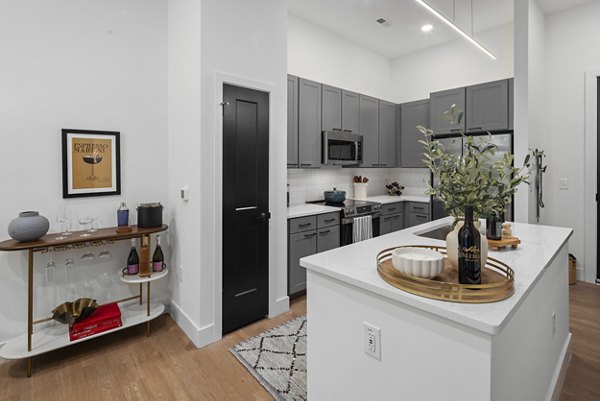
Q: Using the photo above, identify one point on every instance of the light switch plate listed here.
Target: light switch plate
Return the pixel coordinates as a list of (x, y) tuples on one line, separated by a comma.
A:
[(563, 183)]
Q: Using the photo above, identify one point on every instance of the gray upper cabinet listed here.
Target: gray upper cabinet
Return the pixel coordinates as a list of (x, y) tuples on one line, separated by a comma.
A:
[(410, 151), (369, 129), (309, 123), (292, 121), (511, 103), (350, 112), (332, 108), (487, 106), (387, 134), (439, 103)]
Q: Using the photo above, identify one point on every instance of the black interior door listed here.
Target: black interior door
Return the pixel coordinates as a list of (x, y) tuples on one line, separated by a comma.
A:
[(245, 206), (597, 177)]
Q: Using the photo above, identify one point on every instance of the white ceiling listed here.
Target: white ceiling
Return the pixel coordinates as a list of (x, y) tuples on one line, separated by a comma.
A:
[(355, 20)]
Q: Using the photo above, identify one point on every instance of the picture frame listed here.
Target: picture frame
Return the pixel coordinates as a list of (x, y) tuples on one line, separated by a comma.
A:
[(91, 163)]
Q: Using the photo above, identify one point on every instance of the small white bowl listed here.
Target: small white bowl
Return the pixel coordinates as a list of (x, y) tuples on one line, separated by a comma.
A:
[(419, 262)]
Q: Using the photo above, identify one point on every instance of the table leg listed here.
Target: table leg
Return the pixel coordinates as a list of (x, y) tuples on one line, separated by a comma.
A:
[(141, 293), (29, 309), (148, 310)]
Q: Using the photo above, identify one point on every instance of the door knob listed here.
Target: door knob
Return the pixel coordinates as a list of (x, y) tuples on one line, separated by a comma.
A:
[(264, 216)]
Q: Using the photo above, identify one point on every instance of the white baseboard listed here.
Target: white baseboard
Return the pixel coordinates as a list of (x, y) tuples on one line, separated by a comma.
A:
[(558, 380), (200, 336), (280, 306)]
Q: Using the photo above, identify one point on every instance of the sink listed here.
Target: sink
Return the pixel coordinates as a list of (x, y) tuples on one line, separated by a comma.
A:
[(437, 233)]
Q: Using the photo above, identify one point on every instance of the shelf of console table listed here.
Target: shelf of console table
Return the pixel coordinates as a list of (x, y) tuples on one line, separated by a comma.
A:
[(55, 336)]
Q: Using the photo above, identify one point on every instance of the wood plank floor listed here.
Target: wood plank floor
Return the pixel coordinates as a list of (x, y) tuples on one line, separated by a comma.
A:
[(166, 366)]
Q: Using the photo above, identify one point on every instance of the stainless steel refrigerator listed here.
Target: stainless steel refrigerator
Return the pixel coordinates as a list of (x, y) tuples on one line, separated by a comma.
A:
[(454, 144)]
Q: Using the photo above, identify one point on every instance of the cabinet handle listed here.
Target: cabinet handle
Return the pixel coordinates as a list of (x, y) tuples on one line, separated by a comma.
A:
[(309, 235), (382, 164), (424, 216), (347, 130), (304, 225), (305, 164), (387, 218), (475, 128), (374, 165), (391, 208), (455, 129), (418, 208), (324, 232), (329, 220)]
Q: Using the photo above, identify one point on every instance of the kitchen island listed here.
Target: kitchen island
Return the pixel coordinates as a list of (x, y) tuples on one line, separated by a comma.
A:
[(516, 349)]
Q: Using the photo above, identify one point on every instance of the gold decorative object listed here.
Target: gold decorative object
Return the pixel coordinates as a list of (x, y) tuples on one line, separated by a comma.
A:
[(497, 280), (70, 312)]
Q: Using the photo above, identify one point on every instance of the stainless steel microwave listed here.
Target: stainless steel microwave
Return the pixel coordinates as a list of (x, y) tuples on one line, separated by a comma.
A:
[(342, 148)]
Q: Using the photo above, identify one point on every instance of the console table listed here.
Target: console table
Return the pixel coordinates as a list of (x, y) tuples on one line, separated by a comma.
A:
[(54, 337)]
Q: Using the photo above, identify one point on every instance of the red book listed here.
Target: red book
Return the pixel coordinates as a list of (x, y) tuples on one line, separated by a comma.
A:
[(103, 315), (96, 330)]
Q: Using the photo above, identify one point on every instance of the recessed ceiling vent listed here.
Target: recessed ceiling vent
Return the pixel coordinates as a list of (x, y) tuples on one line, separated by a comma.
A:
[(383, 22)]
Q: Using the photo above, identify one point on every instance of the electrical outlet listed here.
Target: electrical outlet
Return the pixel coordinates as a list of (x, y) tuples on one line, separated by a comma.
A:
[(553, 322), (372, 340), (563, 183)]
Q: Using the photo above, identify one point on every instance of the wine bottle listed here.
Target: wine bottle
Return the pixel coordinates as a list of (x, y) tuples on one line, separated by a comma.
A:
[(123, 215), (469, 251), (133, 260), (158, 259)]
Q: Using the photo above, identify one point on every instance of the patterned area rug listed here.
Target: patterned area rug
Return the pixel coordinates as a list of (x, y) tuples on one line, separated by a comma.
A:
[(277, 358)]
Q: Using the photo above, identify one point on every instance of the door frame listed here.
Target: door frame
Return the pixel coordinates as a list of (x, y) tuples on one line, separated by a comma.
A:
[(276, 305), (590, 176)]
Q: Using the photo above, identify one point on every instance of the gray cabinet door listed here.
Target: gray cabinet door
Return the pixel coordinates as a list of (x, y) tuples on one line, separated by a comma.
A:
[(387, 134), (414, 219), (511, 103), (397, 222), (292, 121), (410, 151), (300, 245), (332, 108), (350, 112), (487, 106), (385, 224), (309, 123), (369, 129), (439, 103), (328, 238)]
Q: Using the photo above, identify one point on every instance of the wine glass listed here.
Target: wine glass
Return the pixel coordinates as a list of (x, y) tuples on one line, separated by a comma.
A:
[(85, 221), (105, 253), (63, 217), (93, 228), (49, 270), (70, 265)]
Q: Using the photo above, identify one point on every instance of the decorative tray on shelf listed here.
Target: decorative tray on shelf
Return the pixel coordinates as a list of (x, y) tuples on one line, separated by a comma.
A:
[(497, 280)]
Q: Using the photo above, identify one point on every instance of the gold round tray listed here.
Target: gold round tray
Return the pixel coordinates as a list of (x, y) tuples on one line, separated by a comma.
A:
[(497, 280)]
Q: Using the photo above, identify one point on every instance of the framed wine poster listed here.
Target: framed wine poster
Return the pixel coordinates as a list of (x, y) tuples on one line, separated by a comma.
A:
[(91, 163)]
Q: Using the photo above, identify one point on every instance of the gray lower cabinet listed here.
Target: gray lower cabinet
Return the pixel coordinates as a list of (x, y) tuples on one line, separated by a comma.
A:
[(392, 218), (292, 121), (487, 106), (416, 213), (387, 134), (409, 150), (369, 129), (439, 103), (309, 123), (306, 236), (331, 108), (350, 112), (300, 245)]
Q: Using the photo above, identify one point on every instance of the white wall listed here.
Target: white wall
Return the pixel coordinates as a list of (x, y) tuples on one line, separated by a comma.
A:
[(87, 65), (249, 46), (184, 37), (571, 50), (453, 64), (323, 56)]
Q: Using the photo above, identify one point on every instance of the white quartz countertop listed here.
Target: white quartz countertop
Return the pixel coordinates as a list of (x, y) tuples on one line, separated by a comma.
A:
[(309, 209), (356, 265), (402, 198)]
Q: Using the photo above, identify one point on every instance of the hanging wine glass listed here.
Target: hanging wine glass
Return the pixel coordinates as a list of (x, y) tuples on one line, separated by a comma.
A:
[(88, 255), (70, 265), (49, 270), (105, 253)]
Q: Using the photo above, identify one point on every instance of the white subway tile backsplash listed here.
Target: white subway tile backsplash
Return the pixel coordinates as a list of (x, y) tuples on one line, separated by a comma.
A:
[(309, 184)]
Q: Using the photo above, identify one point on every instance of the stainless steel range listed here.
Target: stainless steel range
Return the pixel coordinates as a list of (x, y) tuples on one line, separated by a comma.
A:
[(351, 209)]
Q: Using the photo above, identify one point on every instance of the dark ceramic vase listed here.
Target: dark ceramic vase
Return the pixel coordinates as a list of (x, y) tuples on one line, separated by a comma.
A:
[(493, 224), (29, 226)]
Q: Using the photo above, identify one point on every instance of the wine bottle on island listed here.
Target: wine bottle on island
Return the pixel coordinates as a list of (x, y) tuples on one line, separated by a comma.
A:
[(158, 259), (469, 251), (133, 260)]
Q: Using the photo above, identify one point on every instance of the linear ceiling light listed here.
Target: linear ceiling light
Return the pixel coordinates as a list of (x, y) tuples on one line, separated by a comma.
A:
[(456, 28)]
